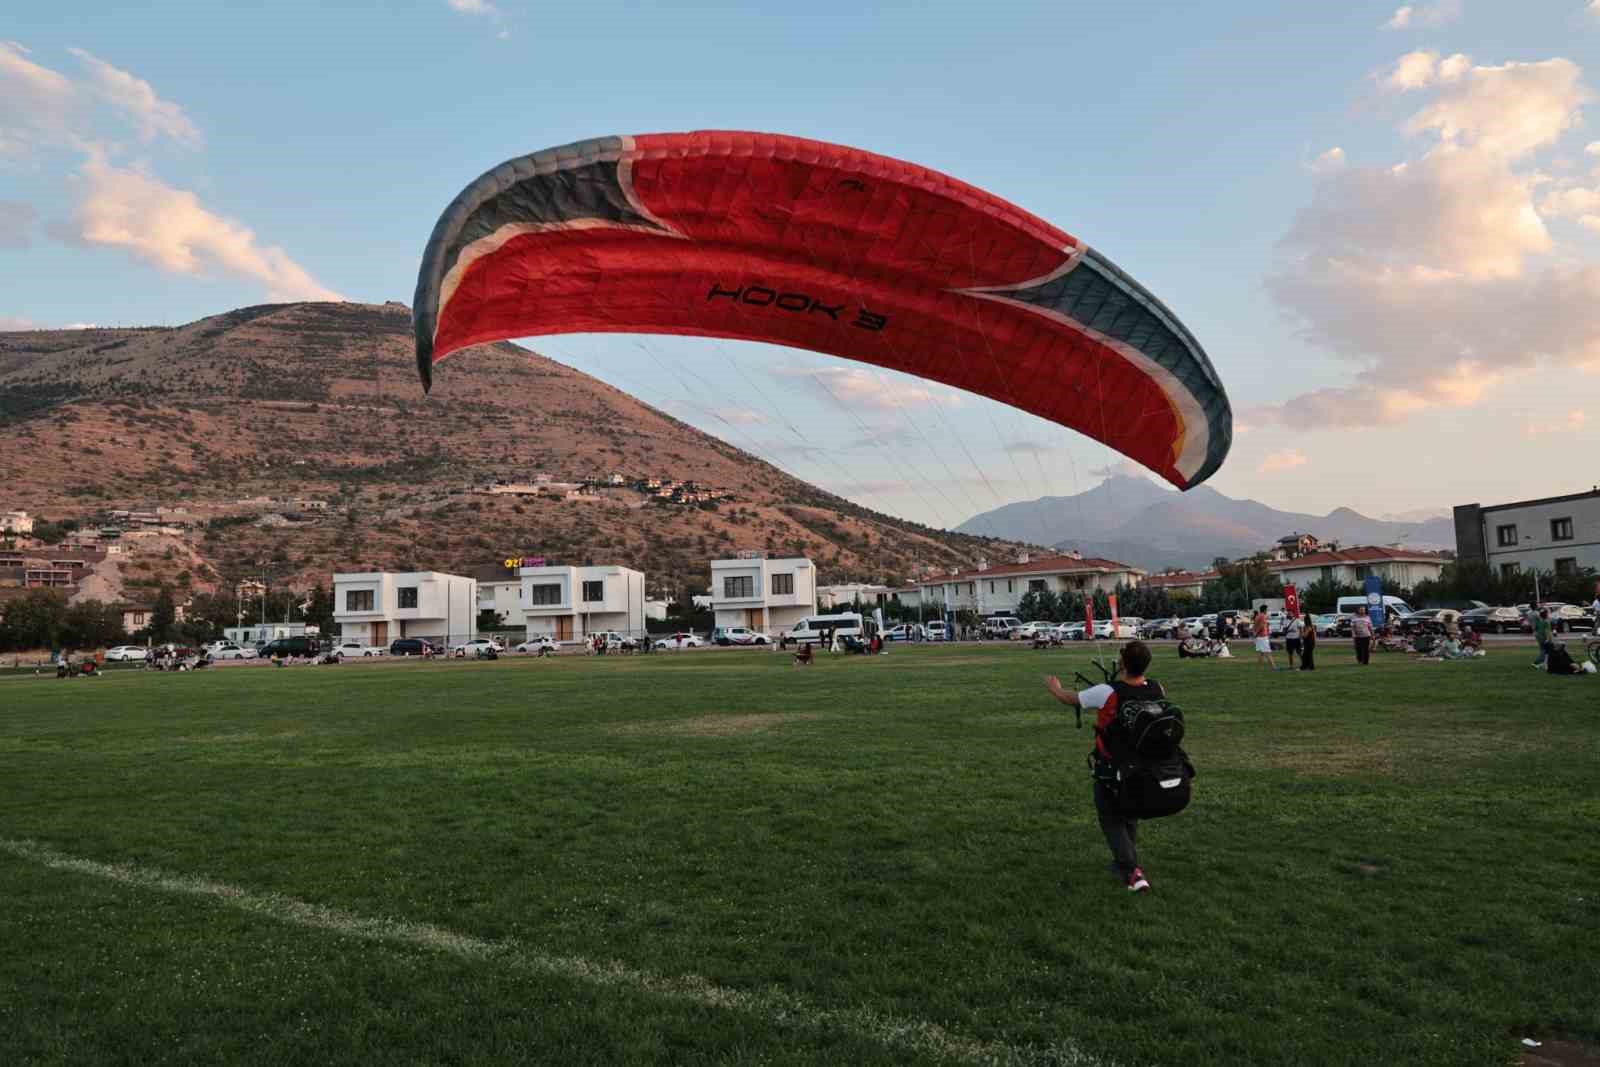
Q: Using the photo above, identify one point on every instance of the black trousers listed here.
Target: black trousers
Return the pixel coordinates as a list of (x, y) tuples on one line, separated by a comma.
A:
[(1363, 649), (1291, 645), (1121, 833), (1308, 655)]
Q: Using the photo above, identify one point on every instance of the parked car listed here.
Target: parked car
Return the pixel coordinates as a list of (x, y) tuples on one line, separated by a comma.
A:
[(355, 648), (1564, 617), (229, 650), (536, 644), (412, 646), (1324, 624), (905, 631), (1125, 628), (1030, 630), (477, 648), (1071, 631), (1493, 620), (125, 653), (1001, 627), (938, 630), (1428, 620), (292, 646), (679, 640), (736, 635)]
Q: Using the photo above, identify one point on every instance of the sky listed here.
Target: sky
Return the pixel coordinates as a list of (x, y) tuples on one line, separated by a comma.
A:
[(1382, 222)]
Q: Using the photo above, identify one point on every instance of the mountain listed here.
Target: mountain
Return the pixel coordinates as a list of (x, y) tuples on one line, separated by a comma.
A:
[(1138, 522), (321, 401)]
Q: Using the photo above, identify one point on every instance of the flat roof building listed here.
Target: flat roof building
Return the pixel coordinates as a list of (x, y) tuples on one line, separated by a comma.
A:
[(1555, 533), (569, 603), (378, 607), (765, 595)]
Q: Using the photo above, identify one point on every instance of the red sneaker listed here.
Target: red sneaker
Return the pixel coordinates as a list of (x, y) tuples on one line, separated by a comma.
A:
[(1137, 883)]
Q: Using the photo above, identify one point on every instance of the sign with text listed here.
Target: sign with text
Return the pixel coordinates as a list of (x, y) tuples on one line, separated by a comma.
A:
[(514, 562)]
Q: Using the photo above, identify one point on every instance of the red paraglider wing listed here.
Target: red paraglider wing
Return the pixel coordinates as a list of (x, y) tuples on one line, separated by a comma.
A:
[(776, 239)]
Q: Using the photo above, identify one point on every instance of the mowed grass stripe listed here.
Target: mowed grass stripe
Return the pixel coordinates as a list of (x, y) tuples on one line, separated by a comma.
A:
[(773, 1005)]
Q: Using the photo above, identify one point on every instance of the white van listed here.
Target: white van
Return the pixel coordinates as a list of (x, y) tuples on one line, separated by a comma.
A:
[(1352, 605), (813, 627)]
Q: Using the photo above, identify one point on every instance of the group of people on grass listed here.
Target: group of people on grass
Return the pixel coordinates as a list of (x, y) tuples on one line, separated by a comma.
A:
[(1299, 640)]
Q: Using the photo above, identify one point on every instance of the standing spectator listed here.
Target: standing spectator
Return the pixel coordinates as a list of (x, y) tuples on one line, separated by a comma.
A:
[(1308, 644), (1541, 634), (1263, 633), (1361, 630), (1291, 639)]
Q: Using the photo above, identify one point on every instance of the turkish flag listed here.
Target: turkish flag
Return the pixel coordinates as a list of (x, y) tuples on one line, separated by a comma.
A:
[(1291, 601)]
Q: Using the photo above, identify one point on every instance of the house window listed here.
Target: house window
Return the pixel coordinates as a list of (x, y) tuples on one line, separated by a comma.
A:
[(991, 588), (545, 595), (972, 588), (740, 588), (1506, 536), (1035, 585), (358, 600), (1510, 570), (1561, 529), (408, 596), (593, 591), (783, 585), (1566, 567)]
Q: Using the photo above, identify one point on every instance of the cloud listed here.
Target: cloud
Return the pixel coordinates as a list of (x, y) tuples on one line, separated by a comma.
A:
[(169, 228), (1571, 423), (1287, 459), (1436, 277), (36, 103), (1425, 16), (16, 223), (473, 7), (738, 416), (1121, 469), (860, 388), (1327, 162), (16, 322), (136, 100)]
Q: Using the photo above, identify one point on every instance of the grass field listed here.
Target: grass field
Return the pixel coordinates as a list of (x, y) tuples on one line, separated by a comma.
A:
[(714, 857)]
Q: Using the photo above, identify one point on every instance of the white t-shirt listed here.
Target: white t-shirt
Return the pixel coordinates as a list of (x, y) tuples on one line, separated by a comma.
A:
[(1094, 698), (1292, 632)]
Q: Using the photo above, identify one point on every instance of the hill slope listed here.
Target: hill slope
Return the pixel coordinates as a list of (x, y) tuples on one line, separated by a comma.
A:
[(322, 401)]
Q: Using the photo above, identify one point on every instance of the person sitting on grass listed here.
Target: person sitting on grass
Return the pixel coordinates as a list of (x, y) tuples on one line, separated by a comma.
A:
[(1120, 831), (805, 656)]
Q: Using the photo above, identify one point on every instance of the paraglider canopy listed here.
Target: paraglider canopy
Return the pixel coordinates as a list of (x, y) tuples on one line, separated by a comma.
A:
[(763, 237)]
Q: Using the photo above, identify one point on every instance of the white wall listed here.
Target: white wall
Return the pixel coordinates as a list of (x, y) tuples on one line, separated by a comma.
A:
[(446, 606), (570, 617), (763, 609)]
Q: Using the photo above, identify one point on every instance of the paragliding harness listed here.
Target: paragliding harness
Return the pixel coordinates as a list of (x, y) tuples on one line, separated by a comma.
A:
[(1148, 774)]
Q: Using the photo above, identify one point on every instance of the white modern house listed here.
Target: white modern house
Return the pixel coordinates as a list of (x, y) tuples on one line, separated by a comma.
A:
[(997, 590), (504, 598), (377, 607), (768, 595), (1558, 533), (655, 610), (843, 596), (569, 603), (1351, 566), (19, 523)]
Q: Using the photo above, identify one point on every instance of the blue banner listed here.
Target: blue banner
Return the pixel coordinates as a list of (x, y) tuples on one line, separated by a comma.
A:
[(1375, 610)]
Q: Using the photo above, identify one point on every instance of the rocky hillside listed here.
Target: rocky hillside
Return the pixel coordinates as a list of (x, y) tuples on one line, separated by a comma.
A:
[(322, 401)]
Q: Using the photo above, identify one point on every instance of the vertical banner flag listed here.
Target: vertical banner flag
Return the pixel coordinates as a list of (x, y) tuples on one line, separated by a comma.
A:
[(1375, 600), (1116, 626), (1088, 619), (1291, 602)]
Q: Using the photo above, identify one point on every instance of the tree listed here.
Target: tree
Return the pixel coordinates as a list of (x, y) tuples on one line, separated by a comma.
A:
[(489, 619), (164, 615), (319, 609), (37, 620)]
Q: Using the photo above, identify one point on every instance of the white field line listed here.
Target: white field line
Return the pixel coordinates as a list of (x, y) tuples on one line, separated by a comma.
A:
[(774, 1005)]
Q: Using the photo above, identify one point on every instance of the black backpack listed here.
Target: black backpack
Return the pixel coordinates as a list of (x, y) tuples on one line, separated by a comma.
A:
[(1149, 773)]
